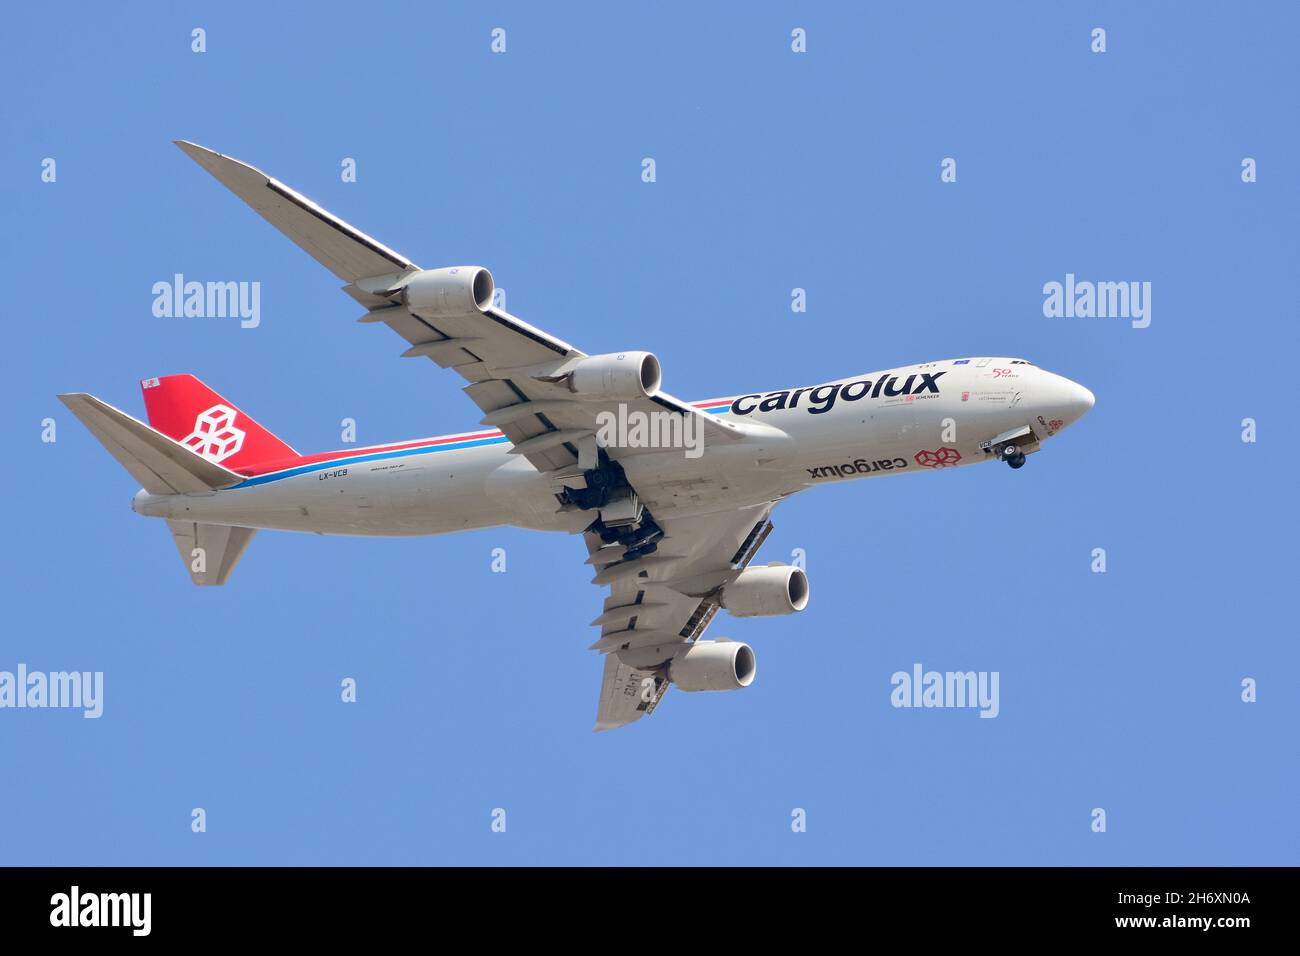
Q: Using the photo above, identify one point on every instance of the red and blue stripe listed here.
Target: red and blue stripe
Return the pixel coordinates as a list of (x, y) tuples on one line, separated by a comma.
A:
[(306, 464)]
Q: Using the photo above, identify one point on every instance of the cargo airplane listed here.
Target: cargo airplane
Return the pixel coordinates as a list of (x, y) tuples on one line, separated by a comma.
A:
[(671, 536)]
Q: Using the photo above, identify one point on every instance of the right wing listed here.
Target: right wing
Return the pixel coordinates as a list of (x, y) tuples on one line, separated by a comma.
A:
[(496, 353), (347, 252)]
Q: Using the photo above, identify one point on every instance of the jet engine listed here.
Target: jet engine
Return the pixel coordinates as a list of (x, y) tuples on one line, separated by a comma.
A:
[(713, 665), (458, 290), (763, 592), (621, 377)]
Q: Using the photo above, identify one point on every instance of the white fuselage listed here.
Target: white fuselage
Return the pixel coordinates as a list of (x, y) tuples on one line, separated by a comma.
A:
[(940, 414)]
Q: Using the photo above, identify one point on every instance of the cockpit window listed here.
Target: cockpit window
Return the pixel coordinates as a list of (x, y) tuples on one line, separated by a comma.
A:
[(1020, 362)]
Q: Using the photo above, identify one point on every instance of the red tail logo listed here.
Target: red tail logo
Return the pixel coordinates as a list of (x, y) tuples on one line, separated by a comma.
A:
[(184, 409), (215, 436)]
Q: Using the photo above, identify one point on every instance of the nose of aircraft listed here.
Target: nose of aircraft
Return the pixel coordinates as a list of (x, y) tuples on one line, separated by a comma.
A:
[(1065, 400)]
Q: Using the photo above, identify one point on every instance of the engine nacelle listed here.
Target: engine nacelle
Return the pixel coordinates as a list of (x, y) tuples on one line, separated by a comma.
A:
[(763, 592), (459, 290), (713, 665), (621, 376)]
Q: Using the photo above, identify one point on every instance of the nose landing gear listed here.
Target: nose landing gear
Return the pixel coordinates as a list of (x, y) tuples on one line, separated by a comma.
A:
[(1012, 446)]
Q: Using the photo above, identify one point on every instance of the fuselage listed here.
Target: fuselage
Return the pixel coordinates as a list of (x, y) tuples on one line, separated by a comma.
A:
[(916, 418)]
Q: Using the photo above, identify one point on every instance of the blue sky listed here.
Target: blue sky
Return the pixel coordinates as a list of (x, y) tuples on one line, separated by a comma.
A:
[(774, 171)]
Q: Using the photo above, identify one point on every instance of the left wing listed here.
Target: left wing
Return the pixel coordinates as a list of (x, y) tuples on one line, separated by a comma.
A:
[(627, 694), (518, 375), (660, 603)]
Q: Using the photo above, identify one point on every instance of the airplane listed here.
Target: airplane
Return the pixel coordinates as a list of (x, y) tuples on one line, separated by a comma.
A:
[(671, 527)]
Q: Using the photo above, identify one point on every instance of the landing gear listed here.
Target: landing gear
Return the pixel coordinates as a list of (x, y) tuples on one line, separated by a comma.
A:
[(639, 541), (1011, 445), (620, 517), (601, 481)]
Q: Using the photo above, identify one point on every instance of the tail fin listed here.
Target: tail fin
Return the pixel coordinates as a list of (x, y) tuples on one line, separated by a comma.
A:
[(187, 411)]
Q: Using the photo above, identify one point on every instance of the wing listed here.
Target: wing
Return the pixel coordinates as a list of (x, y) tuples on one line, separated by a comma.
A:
[(626, 694), (512, 369), (347, 252), (662, 601)]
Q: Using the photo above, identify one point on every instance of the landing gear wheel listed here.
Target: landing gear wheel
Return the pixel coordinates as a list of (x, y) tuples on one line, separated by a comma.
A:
[(1018, 461), (1010, 451)]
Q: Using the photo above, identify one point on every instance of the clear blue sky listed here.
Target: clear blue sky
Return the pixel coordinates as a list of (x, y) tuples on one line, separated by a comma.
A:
[(775, 171)]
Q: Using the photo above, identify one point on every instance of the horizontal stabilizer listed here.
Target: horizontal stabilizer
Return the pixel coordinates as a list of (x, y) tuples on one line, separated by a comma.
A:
[(161, 465), (210, 551)]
